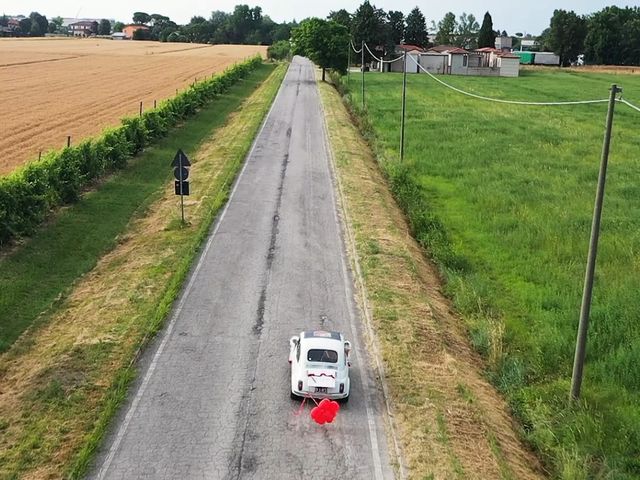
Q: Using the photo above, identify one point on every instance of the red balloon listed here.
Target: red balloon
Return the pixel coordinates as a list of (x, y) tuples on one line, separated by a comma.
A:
[(325, 411)]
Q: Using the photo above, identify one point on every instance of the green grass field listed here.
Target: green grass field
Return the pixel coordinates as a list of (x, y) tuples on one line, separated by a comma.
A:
[(502, 196)]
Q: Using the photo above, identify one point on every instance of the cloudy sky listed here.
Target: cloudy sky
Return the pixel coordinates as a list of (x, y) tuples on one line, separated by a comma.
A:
[(515, 16)]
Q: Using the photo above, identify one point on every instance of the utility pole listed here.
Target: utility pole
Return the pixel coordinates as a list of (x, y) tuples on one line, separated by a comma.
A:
[(404, 103), (348, 61), (362, 49), (578, 362)]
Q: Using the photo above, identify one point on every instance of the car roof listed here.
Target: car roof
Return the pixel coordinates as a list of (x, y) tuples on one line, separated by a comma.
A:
[(323, 334)]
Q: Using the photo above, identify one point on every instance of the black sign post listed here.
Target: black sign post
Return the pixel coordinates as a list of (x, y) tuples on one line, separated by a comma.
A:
[(181, 166)]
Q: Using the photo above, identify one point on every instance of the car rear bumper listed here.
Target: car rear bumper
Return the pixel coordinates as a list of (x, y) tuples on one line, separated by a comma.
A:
[(329, 395)]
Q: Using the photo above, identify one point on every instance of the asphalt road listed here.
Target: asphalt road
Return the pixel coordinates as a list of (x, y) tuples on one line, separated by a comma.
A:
[(212, 400)]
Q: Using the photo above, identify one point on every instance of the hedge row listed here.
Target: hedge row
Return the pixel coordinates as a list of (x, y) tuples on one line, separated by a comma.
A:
[(28, 194)]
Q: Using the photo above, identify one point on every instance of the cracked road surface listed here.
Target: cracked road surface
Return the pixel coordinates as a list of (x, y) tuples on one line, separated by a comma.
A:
[(212, 399)]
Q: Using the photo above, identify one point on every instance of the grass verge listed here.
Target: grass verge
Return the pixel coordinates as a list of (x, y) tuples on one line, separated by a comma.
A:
[(501, 198), (450, 422), (64, 380), (42, 271)]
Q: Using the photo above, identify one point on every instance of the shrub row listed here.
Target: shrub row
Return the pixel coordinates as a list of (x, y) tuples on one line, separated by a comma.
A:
[(28, 194)]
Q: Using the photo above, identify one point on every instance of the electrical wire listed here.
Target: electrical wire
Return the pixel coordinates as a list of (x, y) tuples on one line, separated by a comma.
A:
[(629, 104), (498, 100), (380, 59)]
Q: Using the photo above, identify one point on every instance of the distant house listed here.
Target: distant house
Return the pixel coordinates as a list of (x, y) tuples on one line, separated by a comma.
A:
[(13, 24), (412, 51), (84, 28), (503, 43), (129, 30)]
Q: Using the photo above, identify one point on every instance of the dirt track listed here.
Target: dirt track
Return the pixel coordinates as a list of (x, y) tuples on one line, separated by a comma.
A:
[(58, 87)]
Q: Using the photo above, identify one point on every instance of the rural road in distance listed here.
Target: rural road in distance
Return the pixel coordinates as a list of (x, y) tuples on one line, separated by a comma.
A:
[(212, 398)]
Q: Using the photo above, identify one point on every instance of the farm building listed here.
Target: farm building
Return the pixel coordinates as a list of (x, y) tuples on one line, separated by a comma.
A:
[(84, 28), (412, 51), (450, 60), (129, 30), (433, 62)]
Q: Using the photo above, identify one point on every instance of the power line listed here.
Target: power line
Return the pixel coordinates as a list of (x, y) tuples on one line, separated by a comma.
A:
[(622, 100), (380, 59)]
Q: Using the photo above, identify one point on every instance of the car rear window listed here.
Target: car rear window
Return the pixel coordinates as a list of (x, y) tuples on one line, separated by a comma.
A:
[(322, 355)]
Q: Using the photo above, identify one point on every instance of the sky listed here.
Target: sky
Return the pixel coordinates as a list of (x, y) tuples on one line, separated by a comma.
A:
[(515, 16)]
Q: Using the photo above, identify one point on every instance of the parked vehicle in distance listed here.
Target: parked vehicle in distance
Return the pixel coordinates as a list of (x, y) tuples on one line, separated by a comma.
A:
[(320, 365)]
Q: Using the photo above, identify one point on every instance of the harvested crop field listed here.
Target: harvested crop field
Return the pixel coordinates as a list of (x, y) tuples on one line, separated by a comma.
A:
[(53, 88)]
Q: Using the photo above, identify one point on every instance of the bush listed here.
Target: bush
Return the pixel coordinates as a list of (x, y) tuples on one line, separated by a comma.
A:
[(280, 50), (28, 194)]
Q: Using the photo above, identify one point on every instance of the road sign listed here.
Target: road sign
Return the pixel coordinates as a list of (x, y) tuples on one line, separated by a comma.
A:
[(184, 190), (181, 173), (180, 160), (181, 166)]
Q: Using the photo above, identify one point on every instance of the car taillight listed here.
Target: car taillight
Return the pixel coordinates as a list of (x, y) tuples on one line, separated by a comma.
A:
[(300, 385), (342, 388)]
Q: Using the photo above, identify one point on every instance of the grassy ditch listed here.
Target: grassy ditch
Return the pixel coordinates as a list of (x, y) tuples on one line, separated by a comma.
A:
[(501, 197), (449, 421), (63, 381), (40, 272)]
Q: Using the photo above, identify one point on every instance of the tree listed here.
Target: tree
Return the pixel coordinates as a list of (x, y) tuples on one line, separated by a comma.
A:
[(416, 31), (612, 36), (4, 21), (282, 32), (324, 42), (118, 26), (369, 25), (467, 32), (198, 30), (542, 41), (486, 37), (396, 26), (177, 37), (567, 32), (141, 34), (342, 17), (631, 41), (141, 18), (162, 27), (104, 27), (446, 30), (55, 25), (279, 50), (35, 30), (25, 25), (39, 25)]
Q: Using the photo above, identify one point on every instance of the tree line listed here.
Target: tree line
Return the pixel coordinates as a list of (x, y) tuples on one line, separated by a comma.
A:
[(245, 25), (386, 29), (610, 36)]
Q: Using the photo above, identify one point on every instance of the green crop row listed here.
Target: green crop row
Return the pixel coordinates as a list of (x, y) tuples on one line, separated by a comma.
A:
[(28, 194)]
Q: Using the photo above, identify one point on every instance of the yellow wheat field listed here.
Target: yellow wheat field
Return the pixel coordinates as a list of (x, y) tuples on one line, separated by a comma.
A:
[(52, 88)]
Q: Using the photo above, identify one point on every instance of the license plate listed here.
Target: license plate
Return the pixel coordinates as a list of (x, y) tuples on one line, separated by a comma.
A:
[(321, 389)]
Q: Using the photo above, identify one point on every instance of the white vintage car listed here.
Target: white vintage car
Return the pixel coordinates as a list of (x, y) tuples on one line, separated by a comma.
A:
[(320, 365)]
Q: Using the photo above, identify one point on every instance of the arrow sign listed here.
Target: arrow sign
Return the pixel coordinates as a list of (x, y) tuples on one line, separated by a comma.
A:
[(180, 160), (181, 166)]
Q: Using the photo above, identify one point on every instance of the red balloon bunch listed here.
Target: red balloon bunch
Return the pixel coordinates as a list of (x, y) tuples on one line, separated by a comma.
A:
[(325, 412)]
